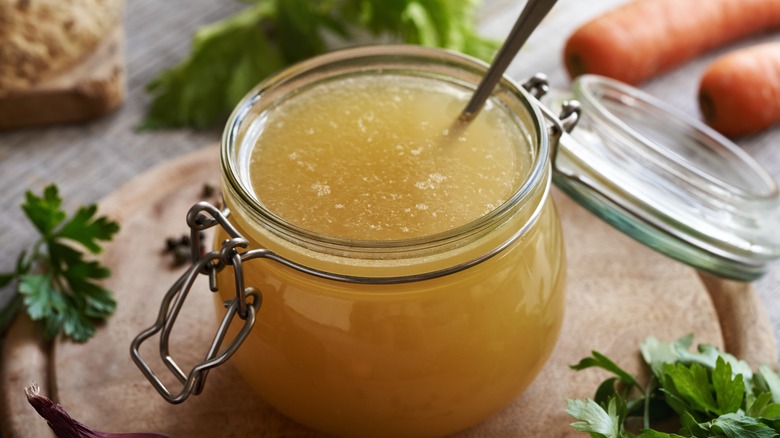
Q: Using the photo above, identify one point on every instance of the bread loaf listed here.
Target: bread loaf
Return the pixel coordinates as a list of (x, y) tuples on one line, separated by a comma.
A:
[(41, 38)]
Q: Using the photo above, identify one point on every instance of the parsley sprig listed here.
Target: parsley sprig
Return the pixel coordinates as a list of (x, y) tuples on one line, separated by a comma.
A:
[(709, 392), (231, 56), (56, 283)]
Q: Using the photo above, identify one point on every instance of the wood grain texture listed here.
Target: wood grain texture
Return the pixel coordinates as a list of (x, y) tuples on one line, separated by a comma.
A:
[(617, 296), (742, 316), (25, 360)]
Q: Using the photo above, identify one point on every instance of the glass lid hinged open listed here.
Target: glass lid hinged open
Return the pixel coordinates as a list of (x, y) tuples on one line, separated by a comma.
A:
[(667, 180)]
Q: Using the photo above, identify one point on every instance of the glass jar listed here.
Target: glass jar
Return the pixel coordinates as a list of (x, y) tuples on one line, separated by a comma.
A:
[(422, 336), (430, 334)]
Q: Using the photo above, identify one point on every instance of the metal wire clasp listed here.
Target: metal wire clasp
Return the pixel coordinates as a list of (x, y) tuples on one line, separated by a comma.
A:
[(538, 85), (201, 216)]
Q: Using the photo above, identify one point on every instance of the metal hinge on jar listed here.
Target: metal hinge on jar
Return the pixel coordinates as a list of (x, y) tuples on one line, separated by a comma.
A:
[(538, 85)]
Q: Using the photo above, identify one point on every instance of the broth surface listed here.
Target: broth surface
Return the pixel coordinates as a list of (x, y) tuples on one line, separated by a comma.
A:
[(384, 158)]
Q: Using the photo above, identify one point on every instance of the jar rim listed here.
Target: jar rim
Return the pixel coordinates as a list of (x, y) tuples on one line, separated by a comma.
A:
[(537, 175)]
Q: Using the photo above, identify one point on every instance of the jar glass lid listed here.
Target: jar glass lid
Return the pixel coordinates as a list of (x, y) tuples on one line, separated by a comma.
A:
[(668, 181)]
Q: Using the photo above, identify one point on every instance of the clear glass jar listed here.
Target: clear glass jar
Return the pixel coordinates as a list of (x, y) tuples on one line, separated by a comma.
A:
[(405, 337), (428, 335)]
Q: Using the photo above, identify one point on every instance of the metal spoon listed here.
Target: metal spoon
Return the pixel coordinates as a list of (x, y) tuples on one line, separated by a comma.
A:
[(530, 17)]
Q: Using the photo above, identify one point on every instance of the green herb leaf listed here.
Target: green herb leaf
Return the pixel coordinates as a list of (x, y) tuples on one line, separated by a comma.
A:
[(763, 407), (595, 419), (606, 391), (770, 382), (231, 56), (691, 426), (44, 212), (40, 297), (657, 354), (729, 389), (741, 426), (57, 285), (713, 393), (87, 230), (691, 385), (227, 59), (598, 360)]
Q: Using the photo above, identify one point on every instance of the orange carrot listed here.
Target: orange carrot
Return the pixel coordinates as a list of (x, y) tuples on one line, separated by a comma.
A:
[(643, 38), (739, 93)]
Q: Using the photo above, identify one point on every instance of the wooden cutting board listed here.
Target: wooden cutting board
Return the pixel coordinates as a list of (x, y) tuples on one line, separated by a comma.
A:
[(619, 293)]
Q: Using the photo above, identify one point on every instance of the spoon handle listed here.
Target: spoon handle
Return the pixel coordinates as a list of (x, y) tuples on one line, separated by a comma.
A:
[(532, 14)]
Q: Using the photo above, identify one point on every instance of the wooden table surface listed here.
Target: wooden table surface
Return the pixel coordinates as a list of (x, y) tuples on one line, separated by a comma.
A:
[(91, 160)]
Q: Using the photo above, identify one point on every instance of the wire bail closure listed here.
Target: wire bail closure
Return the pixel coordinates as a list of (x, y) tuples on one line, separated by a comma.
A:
[(201, 216), (245, 305), (571, 111)]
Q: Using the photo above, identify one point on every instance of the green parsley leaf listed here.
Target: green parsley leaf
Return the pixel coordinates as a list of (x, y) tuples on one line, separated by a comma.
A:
[(40, 297), (770, 382), (44, 212), (87, 230), (729, 389), (740, 426), (656, 354), (595, 419), (713, 393), (691, 426), (598, 360), (233, 55), (56, 284), (691, 385), (763, 407), (606, 391)]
